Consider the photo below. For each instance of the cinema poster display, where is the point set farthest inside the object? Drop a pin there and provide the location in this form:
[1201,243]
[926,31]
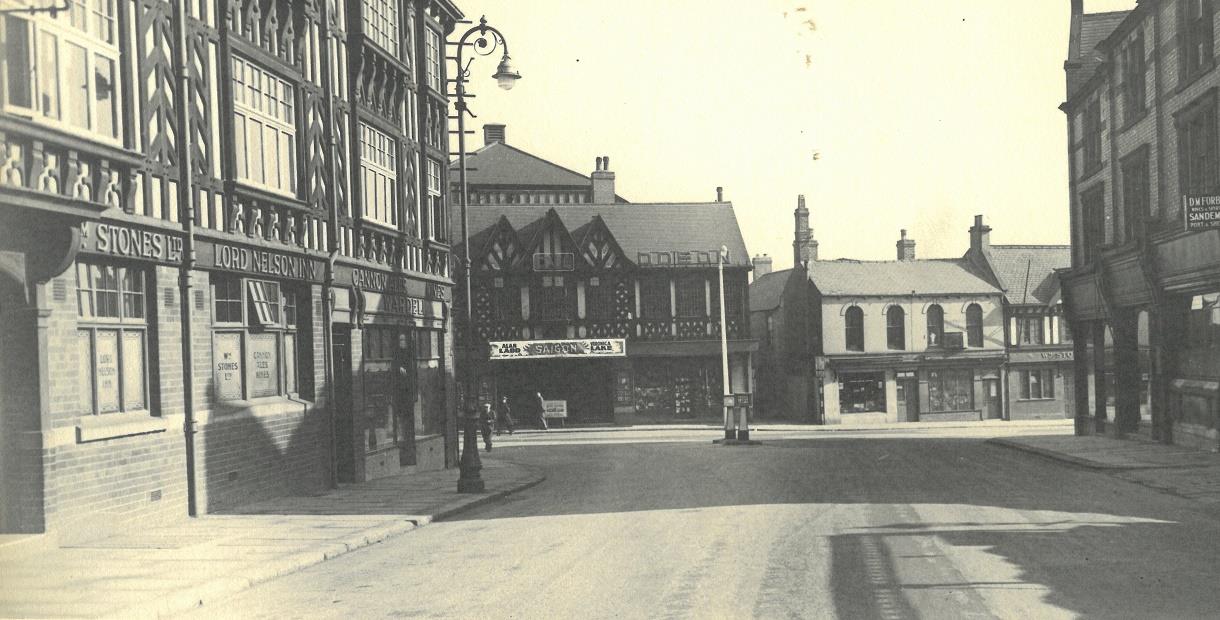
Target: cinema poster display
[544,349]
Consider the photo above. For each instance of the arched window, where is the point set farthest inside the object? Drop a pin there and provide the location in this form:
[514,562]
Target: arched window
[895,328]
[936,325]
[974,326]
[854,323]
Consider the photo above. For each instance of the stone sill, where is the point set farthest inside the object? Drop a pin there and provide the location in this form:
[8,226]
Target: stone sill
[115,425]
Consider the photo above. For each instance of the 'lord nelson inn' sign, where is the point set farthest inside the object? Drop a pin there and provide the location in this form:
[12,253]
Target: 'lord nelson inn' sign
[534,349]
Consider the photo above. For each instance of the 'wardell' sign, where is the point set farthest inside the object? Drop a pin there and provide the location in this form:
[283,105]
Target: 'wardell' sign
[265,263]
[535,349]
[1201,212]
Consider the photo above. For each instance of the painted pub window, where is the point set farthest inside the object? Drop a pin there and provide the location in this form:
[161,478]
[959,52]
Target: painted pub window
[862,392]
[257,342]
[950,390]
[112,337]
[63,69]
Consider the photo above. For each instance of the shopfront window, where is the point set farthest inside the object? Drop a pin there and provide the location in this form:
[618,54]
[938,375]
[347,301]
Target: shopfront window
[862,392]
[113,352]
[257,343]
[950,390]
[1037,384]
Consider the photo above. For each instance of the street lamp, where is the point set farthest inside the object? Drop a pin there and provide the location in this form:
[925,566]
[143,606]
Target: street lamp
[485,41]
[729,432]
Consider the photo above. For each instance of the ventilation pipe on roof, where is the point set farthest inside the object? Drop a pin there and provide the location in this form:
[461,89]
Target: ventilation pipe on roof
[719,194]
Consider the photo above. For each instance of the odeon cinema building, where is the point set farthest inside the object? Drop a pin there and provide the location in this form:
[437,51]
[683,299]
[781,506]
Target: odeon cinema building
[224,259]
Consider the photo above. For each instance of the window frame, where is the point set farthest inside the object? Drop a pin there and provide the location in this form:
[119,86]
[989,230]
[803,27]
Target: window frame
[385,30]
[599,298]
[1193,174]
[1092,221]
[546,304]
[64,32]
[939,379]
[1026,336]
[853,328]
[1137,191]
[936,328]
[436,202]
[379,185]
[1041,378]
[654,299]
[974,326]
[434,74]
[1197,39]
[289,327]
[896,328]
[690,297]
[1134,78]
[90,324]
[271,105]
[1091,128]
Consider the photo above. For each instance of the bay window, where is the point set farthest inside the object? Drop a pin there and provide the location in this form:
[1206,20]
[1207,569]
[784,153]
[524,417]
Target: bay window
[380,19]
[112,337]
[264,128]
[378,176]
[256,347]
[63,70]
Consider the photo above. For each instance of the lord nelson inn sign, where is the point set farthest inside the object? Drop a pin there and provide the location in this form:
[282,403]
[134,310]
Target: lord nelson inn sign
[536,349]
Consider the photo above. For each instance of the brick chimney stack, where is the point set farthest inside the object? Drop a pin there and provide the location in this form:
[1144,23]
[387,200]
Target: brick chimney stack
[906,247]
[603,182]
[980,235]
[762,266]
[804,247]
[492,133]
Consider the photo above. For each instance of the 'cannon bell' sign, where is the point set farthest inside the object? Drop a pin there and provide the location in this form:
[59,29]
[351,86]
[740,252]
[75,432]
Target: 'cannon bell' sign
[535,349]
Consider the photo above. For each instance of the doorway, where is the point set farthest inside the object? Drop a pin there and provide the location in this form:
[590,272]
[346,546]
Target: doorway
[908,397]
[991,399]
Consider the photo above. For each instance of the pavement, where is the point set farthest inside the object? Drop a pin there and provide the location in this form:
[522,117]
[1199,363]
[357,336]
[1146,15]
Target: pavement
[1180,471]
[170,569]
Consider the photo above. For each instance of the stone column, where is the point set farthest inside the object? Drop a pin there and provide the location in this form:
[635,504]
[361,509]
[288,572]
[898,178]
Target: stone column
[1099,376]
[1127,376]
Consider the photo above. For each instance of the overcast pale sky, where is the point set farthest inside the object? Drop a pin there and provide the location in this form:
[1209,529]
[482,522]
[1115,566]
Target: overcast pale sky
[920,113]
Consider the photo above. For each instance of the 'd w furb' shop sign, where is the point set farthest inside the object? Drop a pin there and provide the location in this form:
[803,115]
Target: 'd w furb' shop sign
[536,349]
[1201,212]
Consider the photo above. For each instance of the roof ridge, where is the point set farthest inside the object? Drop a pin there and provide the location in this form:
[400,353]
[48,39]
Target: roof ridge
[1106,13]
[1046,246]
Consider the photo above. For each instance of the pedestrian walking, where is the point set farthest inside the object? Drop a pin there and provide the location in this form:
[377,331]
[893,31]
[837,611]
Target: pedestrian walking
[506,416]
[541,406]
[486,418]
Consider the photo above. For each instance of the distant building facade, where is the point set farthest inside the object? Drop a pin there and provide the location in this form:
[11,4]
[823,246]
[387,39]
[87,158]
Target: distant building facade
[1144,161]
[612,308]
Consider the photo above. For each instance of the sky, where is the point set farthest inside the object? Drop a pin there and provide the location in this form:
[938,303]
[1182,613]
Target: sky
[885,114]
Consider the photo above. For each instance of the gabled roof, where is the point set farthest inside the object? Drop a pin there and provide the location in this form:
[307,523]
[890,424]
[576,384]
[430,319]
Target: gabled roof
[850,278]
[768,290]
[637,227]
[1027,272]
[1094,28]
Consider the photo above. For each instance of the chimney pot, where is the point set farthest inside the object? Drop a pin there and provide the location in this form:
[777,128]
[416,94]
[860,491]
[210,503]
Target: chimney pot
[603,182]
[719,194]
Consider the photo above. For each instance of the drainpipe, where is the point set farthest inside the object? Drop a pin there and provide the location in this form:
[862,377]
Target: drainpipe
[187,216]
[332,241]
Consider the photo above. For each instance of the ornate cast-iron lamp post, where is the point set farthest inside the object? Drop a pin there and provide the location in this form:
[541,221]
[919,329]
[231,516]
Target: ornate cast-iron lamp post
[484,40]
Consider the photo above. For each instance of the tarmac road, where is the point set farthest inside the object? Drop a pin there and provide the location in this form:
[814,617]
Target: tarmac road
[882,525]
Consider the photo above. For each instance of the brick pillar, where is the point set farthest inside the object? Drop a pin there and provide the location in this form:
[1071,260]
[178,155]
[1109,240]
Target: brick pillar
[1080,375]
[1099,376]
[1127,376]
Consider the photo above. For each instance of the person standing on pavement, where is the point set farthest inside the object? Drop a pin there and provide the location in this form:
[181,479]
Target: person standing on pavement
[486,418]
[541,406]
[506,416]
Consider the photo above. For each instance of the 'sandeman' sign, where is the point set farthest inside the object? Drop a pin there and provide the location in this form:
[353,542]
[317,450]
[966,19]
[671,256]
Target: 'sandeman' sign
[534,349]
[1201,212]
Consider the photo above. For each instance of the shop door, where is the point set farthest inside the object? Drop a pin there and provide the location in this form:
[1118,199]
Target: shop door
[341,358]
[908,399]
[991,399]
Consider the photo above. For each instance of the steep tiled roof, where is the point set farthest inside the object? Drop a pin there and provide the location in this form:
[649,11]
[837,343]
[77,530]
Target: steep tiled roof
[843,278]
[1027,272]
[766,291]
[637,227]
[1094,28]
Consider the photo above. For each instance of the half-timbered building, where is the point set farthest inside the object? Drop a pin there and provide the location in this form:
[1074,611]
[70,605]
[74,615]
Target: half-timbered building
[199,201]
